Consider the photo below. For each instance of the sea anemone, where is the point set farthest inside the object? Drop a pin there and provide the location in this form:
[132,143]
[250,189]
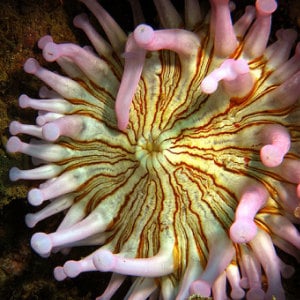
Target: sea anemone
[176,151]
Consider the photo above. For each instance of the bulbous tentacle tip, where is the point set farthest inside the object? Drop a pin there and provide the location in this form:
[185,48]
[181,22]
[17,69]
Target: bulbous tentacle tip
[42,119]
[243,231]
[258,35]
[209,85]
[271,156]
[200,287]
[35,197]
[278,143]
[72,268]
[31,66]
[51,51]
[41,243]
[43,41]
[59,273]
[104,260]
[70,126]
[237,293]
[15,127]
[231,72]
[51,132]
[183,42]
[232,274]
[80,20]
[30,220]
[24,101]
[143,35]
[265,7]
[14,174]
[14,145]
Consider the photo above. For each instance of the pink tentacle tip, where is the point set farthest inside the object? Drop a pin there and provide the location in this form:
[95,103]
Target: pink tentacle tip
[104,260]
[244,228]
[278,144]
[80,20]
[237,293]
[243,231]
[271,155]
[72,268]
[31,66]
[41,243]
[43,41]
[51,132]
[14,145]
[59,273]
[30,220]
[70,126]
[265,7]
[24,101]
[15,127]
[35,197]
[14,174]
[181,41]
[51,52]
[229,70]
[143,35]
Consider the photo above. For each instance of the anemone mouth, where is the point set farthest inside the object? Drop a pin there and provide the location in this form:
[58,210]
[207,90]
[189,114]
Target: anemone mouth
[150,145]
[150,152]
[186,169]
